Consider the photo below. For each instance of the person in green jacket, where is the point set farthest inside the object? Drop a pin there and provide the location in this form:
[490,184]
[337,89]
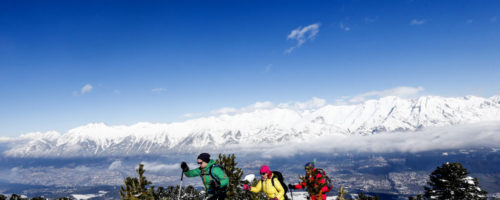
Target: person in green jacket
[213,177]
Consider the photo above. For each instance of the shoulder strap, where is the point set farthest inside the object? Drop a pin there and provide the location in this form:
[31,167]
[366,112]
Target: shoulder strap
[212,174]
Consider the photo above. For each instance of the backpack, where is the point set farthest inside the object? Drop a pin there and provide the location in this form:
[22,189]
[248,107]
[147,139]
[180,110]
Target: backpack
[328,181]
[280,178]
[212,174]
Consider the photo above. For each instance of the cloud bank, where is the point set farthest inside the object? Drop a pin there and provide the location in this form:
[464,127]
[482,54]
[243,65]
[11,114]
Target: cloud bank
[485,134]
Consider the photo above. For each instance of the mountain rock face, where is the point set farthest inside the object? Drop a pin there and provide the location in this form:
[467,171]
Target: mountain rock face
[265,126]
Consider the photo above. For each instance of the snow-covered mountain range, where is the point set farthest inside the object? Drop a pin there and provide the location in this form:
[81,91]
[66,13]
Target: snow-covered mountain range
[262,126]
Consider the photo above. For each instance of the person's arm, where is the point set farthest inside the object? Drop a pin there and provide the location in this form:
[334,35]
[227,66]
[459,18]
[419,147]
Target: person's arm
[223,179]
[300,185]
[193,172]
[257,188]
[279,187]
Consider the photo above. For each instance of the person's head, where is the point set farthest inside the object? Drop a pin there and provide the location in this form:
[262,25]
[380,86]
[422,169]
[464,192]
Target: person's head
[203,160]
[309,167]
[264,172]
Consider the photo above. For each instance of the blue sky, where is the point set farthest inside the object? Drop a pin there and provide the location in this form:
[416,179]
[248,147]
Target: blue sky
[68,63]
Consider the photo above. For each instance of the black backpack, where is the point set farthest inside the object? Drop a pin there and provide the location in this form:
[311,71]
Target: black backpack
[280,178]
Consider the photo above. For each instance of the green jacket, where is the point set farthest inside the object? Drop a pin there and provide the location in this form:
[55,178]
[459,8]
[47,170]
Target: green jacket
[205,176]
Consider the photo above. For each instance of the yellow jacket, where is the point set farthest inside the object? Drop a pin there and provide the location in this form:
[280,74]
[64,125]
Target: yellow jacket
[270,190]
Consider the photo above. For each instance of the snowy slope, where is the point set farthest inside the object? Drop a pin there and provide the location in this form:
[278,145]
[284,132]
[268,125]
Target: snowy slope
[265,126]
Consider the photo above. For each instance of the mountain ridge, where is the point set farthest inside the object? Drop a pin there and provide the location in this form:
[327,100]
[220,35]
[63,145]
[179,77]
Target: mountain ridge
[275,125]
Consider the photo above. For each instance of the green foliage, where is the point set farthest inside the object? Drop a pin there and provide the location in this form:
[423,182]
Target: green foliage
[362,196]
[234,188]
[341,193]
[188,193]
[234,173]
[135,188]
[450,181]
[139,188]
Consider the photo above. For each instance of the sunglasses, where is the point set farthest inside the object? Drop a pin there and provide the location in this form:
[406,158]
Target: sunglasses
[199,163]
[263,173]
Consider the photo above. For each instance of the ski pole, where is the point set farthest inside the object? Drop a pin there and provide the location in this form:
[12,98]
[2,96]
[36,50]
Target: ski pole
[180,185]
[291,193]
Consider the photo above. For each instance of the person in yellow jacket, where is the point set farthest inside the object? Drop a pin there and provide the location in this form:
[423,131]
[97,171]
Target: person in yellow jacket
[273,191]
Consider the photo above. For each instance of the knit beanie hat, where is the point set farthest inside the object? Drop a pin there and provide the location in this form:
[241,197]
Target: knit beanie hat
[264,169]
[205,157]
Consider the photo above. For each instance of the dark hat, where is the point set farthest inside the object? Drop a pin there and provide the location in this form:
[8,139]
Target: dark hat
[205,157]
[309,164]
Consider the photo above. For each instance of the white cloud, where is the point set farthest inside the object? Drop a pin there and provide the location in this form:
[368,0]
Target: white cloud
[485,134]
[344,27]
[158,90]
[86,89]
[401,91]
[266,105]
[160,167]
[311,104]
[5,139]
[116,165]
[189,115]
[415,22]
[301,35]
[224,111]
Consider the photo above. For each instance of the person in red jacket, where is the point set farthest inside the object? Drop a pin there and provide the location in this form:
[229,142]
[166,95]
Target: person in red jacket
[312,177]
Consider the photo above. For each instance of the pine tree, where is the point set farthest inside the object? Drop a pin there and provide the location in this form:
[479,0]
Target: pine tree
[341,193]
[450,181]
[135,188]
[234,188]
[3,197]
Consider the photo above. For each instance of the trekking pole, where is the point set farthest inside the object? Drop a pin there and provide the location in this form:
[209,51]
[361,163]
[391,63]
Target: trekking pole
[180,185]
[291,193]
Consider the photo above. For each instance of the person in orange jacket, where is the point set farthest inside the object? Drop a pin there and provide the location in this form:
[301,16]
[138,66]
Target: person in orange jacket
[269,184]
[310,170]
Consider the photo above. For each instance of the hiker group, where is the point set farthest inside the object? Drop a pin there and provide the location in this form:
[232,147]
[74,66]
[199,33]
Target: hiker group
[215,180]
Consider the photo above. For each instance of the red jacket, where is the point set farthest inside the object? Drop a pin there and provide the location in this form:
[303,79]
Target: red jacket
[324,189]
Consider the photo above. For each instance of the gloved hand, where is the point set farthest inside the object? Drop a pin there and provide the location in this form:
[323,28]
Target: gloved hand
[291,186]
[184,167]
[246,187]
